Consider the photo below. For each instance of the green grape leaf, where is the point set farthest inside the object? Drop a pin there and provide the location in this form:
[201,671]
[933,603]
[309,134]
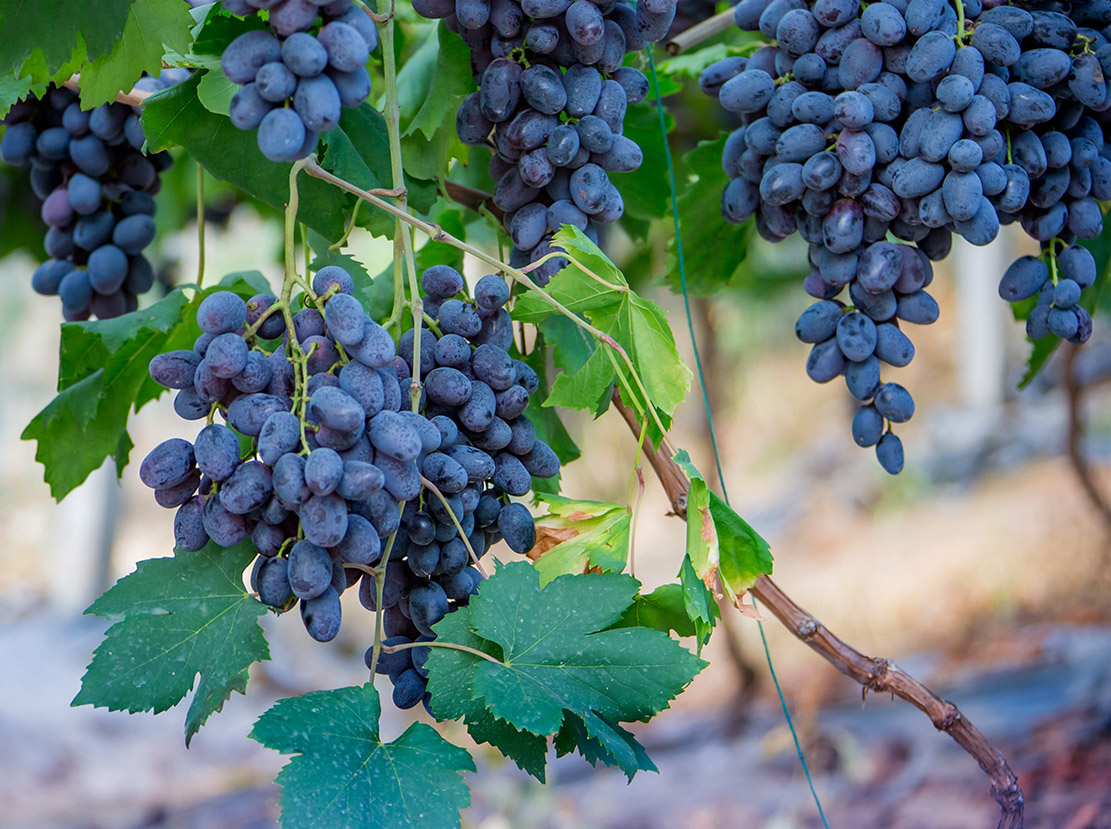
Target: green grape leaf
[575,535]
[176,618]
[437,82]
[358,151]
[176,117]
[13,89]
[344,775]
[663,609]
[698,601]
[452,220]
[593,287]
[102,370]
[589,388]
[644,191]
[609,744]
[556,654]
[450,681]
[691,64]
[215,91]
[553,663]
[719,542]
[153,27]
[713,250]
[58,29]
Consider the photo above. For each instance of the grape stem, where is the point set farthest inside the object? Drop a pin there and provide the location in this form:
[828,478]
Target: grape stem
[459,527]
[436,643]
[554,254]
[380,586]
[298,355]
[393,130]
[438,234]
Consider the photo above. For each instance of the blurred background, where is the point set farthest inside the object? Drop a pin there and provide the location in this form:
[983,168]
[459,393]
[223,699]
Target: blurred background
[984,568]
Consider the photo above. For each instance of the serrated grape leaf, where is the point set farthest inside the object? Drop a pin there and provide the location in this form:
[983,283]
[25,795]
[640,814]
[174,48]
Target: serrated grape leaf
[557,655]
[663,609]
[713,250]
[719,542]
[451,684]
[599,741]
[176,117]
[588,388]
[153,27]
[344,775]
[176,618]
[638,325]
[57,28]
[102,371]
[13,89]
[575,535]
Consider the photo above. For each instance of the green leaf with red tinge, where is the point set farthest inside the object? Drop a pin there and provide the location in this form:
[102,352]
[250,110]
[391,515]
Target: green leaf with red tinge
[176,618]
[344,774]
[719,542]
[577,534]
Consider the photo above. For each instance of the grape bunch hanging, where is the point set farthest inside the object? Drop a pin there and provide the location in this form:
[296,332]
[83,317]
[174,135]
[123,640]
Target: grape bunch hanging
[342,470]
[551,103]
[296,77]
[877,131]
[96,186]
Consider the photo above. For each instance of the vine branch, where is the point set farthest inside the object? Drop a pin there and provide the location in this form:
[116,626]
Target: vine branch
[699,32]
[875,674]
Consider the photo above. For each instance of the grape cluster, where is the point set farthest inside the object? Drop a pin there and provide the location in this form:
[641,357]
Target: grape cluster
[877,131]
[296,76]
[551,104]
[96,187]
[340,469]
